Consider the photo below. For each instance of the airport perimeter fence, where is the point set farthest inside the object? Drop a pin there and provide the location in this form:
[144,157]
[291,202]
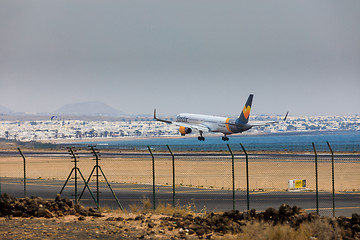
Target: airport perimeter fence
[230,178]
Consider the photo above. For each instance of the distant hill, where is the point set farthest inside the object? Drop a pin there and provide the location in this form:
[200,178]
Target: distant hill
[89,109]
[4,110]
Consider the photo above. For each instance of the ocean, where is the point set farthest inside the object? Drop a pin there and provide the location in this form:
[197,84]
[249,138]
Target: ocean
[340,141]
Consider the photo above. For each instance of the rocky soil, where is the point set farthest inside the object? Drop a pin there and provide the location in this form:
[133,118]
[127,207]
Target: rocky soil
[37,218]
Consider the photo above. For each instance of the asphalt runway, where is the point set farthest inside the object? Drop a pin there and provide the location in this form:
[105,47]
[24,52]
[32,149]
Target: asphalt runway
[198,199]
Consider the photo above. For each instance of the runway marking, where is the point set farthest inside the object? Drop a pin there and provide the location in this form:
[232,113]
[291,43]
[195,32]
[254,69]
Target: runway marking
[314,209]
[196,191]
[254,193]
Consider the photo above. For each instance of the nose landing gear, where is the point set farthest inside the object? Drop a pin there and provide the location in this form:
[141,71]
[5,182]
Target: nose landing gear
[201,138]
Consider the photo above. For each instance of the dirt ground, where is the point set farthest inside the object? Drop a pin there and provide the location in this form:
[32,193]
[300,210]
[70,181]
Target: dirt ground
[264,174]
[230,225]
[70,227]
[39,218]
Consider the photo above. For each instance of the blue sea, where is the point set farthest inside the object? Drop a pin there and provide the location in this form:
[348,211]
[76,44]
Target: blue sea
[342,141]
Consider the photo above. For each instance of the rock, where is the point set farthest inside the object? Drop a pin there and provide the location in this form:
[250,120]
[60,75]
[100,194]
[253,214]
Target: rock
[39,207]
[270,214]
[252,212]
[355,219]
[58,198]
[231,214]
[81,218]
[151,225]
[209,236]
[177,215]
[41,212]
[48,214]
[81,210]
[187,222]
[200,232]
[194,226]
[295,210]
[138,218]
[285,210]
[312,216]
[356,227]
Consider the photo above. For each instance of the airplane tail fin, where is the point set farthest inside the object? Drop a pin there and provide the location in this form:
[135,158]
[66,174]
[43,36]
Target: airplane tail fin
[244,116]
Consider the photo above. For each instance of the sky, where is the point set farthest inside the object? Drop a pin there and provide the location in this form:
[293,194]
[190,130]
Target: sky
[200,56]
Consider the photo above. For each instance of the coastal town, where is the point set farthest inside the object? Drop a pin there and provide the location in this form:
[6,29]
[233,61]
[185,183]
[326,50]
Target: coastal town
[58,128]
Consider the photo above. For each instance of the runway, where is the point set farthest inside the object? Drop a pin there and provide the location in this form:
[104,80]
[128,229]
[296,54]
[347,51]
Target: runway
[198,199]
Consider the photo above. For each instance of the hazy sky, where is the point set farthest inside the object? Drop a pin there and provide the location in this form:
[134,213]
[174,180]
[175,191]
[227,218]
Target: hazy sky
[199,56]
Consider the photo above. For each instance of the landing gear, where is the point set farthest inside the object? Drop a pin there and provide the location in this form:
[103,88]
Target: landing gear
[225,138]
[201,138]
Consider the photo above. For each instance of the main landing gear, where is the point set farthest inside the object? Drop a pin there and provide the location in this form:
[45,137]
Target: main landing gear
[201,138]
[225,138]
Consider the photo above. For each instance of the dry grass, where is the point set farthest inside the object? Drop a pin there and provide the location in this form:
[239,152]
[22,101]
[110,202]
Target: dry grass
[146,207]
[319,229]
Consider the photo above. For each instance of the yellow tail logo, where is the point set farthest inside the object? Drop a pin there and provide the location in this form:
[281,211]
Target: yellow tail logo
[246,111]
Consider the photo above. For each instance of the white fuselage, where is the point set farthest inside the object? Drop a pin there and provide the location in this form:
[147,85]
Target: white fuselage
[213,123]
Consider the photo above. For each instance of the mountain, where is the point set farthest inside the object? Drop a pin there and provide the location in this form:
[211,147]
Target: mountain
[4,110]
[89,109]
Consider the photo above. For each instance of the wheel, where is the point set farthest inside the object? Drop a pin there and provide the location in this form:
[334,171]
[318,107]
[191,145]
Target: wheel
[224,138]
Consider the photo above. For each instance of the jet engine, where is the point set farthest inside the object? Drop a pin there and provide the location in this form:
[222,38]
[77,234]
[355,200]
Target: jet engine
[184,130]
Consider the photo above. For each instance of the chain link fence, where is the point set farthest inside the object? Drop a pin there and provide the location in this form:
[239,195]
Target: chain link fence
[220,179]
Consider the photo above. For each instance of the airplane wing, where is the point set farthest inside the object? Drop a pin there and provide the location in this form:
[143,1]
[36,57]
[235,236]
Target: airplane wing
[263,124]
[269,123]
[198,127]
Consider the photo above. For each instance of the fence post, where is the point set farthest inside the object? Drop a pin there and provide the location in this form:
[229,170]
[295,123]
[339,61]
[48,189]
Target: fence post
[153,173]
[233,175]
[97,173]
[71,151]
[247,177]
[173,170]
[332,175]
[316,179]
[24,163]
[96,153]
[76,169]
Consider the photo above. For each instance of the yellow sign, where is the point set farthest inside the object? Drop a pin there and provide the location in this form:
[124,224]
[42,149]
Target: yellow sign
[300,184]
[297,184]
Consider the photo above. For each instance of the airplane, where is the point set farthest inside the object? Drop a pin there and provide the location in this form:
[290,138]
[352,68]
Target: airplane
[205,123]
